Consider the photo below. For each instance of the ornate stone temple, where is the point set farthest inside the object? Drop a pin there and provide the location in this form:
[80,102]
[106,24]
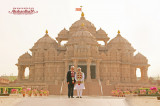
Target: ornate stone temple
[106,67]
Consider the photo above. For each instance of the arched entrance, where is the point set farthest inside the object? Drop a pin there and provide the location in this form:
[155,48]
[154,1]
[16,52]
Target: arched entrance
[138,74]
[26,73]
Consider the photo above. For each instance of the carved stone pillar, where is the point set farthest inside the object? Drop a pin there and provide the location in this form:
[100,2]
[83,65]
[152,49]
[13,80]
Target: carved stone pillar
[105,41]
[144,76]
[59,42]
[88,70]
[19,73]
[23,73]
[75,62]
[133,74]
[66,70]
[31,73]
[97,69]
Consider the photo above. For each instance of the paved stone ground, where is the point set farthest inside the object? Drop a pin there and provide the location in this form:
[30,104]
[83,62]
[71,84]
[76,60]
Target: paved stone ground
[142,101]
[85,101]
[64,101]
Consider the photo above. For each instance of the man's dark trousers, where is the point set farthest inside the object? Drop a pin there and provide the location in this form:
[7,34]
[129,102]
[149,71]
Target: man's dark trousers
[70,85]
[70,90]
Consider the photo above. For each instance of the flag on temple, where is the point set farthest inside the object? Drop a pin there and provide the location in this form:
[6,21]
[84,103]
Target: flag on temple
[78,9]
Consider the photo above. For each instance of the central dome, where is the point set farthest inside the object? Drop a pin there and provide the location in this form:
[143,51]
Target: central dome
[75,26]
[82,35]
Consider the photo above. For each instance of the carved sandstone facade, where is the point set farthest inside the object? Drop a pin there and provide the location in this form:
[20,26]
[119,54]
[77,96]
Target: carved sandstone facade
[111,64]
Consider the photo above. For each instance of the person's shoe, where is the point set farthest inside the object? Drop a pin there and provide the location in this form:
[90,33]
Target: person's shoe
[80,97]
[72,97]
[68,96]
[77,97]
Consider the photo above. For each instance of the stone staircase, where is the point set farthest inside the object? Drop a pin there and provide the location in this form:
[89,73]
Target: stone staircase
[91,88]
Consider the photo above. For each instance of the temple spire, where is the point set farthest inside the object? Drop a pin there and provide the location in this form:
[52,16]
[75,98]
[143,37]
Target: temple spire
[46,31]
[82,14]
[118,32]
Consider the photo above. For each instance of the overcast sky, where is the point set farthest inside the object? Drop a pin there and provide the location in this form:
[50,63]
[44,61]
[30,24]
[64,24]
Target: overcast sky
[138,21]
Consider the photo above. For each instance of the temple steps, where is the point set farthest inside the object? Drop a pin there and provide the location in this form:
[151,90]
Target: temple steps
[91,88]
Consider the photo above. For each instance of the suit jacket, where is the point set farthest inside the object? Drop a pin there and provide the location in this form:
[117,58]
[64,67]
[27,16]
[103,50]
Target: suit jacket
[69,78]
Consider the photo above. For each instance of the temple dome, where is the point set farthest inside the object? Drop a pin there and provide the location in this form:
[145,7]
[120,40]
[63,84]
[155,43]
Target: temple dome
[45,42]
[75,26]
[140,56]
[25,58]
[63,32]
[140,59]
[101,35]
[82,20]
[82,35]
[25,55]
[101,31]
[120,43]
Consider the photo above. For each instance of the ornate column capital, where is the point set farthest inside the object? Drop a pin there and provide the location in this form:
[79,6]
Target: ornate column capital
[89,61]
[98,61]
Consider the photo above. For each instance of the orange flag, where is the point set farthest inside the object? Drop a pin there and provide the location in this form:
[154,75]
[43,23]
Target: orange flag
[78,9]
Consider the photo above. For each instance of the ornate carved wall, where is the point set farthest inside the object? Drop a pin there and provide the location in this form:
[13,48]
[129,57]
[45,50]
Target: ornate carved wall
[115,61]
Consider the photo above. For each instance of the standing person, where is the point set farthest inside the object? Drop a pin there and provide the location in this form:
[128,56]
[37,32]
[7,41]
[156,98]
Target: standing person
[71,81]
[79,77]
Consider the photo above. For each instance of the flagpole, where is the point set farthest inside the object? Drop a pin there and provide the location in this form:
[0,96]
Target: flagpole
[81,8]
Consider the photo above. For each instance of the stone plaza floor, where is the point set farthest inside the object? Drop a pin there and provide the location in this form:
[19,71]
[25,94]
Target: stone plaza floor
[85,101]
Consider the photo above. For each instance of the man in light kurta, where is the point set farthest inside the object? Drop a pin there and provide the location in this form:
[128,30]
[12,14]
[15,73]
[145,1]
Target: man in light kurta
[79,77]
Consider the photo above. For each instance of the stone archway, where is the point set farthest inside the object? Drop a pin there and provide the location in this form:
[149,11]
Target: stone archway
[26,73]
[143,71]
[138,74]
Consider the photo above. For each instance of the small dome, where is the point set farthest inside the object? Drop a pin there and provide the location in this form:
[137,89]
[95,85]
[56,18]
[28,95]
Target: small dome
[82,35]
[140,56]
[25,59]
[63,32]
[25,55]
[100,31]
[45,42]
[120,43]
[140,59]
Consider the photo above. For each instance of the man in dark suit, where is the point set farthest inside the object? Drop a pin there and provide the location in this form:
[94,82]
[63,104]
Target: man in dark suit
[71,81]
